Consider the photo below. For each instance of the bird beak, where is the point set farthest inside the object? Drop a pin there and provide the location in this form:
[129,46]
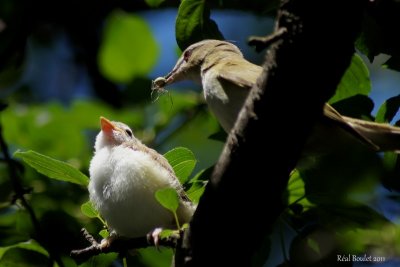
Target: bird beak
[107,126]
[175,74]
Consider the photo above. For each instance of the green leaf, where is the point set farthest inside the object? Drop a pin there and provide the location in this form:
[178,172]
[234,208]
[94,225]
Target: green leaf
[196,191]
[104,233]
[198,184]
[182,161]
[88,210]
[53,168]
[355,81]
[388,110]
[296,191]
[165,233]
[29,245]
[168,198]
[193,23]
[154,3]
[128,48]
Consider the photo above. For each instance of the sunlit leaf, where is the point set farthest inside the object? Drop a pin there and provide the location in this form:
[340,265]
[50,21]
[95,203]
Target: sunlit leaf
[104,233]
[88,210]
[165,233]
[29,245]
[355,81]
[296,191]
[193,23]
[196,191]
[182,161]
[53,168]
[168,198]
[388,110]
[198,184]
[128,48]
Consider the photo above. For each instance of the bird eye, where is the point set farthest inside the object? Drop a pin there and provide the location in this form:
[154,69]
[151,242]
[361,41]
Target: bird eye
[129,132]
[186,55]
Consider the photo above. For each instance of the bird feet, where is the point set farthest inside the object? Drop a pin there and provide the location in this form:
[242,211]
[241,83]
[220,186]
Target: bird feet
[154,237]
[160,236]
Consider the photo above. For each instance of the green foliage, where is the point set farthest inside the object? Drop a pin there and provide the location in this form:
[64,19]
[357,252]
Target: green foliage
[327,203]
[198,184]
[121,56]
[193,23]
[296,194]
[168,198]
[156,258]
[88,210]
[182,161]
[62,132]
[380,240]
[388,110]
[28,245]
[154,3]
[355,81]
[53,168]
[104,233]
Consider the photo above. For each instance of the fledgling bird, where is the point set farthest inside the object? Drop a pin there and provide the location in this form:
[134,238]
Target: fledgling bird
[124,176]
[227,77]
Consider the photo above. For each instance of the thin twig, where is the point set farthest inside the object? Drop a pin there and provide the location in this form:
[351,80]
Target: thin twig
[261,43]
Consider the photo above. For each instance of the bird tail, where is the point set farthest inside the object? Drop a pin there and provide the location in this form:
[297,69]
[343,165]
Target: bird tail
[378,136]
[386,137]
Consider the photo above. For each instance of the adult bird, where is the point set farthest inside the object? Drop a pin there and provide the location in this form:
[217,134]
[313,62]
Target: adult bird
[227,77]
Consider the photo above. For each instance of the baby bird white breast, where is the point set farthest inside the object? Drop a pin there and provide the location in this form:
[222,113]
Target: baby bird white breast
[122,187]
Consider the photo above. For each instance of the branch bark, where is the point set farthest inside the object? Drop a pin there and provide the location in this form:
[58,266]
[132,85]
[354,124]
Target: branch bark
[121,245]
[301,72]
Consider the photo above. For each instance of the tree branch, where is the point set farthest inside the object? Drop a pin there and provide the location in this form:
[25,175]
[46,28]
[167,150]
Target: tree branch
[122,245]
[245,185]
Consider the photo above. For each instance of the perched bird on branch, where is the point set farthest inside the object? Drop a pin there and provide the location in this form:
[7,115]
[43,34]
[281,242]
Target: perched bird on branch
[124,176]
[227,77]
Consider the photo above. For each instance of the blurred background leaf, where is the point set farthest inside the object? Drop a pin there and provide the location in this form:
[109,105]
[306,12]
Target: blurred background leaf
[122,57]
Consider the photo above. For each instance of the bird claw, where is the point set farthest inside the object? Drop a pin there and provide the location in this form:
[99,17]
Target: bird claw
[106,242]
[154,237]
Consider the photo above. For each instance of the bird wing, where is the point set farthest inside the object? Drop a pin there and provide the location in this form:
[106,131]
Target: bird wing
[242,73]
[165,164]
